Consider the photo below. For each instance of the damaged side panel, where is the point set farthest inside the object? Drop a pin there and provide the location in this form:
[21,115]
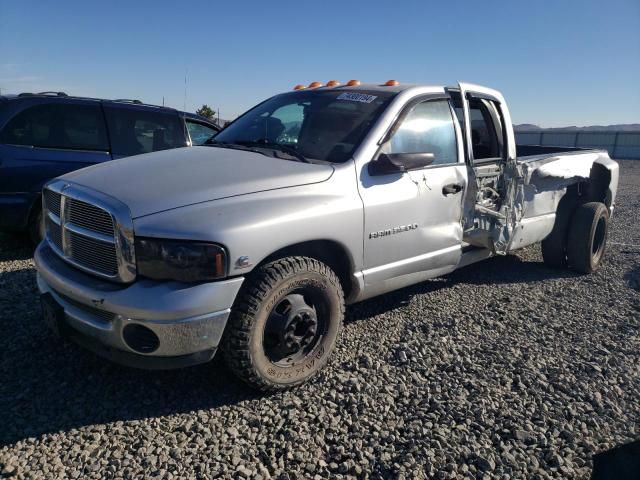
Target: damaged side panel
[544,182]
[493,194]
[511,201]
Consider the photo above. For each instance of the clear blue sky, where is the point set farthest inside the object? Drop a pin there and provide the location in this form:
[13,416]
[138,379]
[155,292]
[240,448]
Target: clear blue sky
[557,62]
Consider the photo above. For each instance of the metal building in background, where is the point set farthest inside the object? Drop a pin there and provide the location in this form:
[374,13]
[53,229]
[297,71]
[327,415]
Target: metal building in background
[619,144]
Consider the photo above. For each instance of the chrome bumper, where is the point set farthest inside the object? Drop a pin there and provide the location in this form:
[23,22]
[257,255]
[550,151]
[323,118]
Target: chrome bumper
[187,319]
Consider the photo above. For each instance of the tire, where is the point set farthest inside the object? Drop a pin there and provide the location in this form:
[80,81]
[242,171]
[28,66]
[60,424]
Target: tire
[274,315]
[587,238]
[36,227]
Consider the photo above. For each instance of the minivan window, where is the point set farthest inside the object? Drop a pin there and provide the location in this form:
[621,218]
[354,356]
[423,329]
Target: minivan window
[428,128]
[199,132]
[134,131]
[64,126]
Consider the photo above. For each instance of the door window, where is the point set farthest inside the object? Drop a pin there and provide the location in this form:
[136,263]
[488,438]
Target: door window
[428,128]
[486,129]
[134,131]
[199,132]
[64,126]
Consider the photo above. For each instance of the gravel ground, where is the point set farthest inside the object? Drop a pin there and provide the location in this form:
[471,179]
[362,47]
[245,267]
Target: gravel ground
[505,369]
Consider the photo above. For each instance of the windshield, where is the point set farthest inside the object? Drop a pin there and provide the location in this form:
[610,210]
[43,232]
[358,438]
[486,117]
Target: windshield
[319,124]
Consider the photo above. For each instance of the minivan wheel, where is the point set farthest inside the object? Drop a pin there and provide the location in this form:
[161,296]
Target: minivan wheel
[587,239]
[285,323]
[36,227]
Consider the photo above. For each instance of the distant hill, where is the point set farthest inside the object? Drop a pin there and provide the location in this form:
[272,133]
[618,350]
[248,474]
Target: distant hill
[623,127]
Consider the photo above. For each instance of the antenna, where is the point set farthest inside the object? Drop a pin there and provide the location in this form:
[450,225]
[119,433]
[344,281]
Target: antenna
[189,143]
[184,107]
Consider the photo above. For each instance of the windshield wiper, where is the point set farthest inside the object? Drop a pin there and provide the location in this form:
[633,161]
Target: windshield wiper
[216,143]
[235,146]
[278,147]
[258,147]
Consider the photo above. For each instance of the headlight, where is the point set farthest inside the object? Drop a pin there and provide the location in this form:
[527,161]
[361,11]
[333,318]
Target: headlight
[180,260]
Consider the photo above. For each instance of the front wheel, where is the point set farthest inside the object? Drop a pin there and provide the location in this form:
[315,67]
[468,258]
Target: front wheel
[587,238]
[284,324]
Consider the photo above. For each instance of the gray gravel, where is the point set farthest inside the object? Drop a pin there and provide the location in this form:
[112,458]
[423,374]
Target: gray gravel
[506,369]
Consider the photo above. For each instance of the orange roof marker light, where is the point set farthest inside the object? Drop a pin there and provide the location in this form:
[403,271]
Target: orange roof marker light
[299,87]
[315,84]
[391,83]
[333,83]
[353,83]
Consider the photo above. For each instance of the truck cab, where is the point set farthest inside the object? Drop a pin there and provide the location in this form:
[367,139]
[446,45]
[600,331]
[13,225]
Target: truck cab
[313,199]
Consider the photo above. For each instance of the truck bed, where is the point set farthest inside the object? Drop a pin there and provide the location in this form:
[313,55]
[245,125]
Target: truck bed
[531,150]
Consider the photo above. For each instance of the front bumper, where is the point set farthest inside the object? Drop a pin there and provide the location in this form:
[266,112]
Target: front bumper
[188,320]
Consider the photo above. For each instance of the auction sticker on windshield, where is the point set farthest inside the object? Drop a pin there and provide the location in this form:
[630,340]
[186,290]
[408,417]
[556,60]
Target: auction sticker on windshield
[357,97]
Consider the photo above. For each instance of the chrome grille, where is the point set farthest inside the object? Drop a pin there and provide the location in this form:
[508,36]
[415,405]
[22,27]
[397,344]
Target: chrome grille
[90,217]
[52,201]
[94,237]
[94,254]
[54,233]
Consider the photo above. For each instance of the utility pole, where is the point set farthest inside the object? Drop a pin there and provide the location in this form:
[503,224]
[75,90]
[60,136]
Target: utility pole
[163,100]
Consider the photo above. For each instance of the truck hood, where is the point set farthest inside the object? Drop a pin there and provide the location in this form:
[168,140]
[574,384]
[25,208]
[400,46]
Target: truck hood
[159,181]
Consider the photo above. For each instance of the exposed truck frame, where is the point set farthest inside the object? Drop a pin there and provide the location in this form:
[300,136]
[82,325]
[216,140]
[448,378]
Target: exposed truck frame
[288,243]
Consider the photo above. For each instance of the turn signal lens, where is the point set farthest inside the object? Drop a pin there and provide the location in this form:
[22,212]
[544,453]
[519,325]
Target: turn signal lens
[299,87]
[315,84]
[391,83]
[333,83]
[353,83]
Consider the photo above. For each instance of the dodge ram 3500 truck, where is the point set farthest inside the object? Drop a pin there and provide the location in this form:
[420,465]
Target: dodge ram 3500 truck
[314,198]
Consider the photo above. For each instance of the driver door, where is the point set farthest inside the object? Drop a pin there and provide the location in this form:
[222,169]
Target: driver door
[413,228]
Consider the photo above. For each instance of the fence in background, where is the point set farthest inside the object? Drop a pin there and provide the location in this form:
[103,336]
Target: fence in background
[619,144]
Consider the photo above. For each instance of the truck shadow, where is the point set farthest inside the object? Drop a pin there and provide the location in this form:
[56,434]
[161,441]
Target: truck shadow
[47,385]
[509,269]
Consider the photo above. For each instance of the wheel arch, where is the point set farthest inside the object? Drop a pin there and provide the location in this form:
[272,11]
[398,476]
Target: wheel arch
[35,207]
[599,186]
[596,188]
[330,252]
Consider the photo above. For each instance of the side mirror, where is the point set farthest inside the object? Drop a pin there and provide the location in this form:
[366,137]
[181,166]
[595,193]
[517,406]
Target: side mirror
[387,163]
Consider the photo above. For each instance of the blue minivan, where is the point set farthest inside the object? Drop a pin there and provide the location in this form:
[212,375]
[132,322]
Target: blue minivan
[46,135]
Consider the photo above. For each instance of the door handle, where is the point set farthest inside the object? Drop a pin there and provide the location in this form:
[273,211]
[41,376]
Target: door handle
[452,188]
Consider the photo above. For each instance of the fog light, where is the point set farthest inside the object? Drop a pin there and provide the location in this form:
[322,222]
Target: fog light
[141,339]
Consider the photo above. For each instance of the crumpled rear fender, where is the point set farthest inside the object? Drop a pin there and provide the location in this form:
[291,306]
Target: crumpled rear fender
[544,182]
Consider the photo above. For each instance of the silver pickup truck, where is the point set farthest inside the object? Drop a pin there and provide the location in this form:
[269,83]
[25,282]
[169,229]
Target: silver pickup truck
[313,199]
